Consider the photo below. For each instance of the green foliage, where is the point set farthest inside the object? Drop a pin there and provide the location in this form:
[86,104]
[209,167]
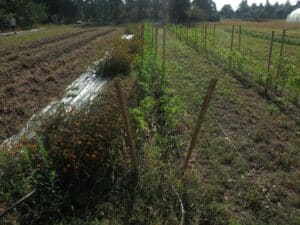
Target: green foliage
[197,14]
[267,36]
[30,14]
[173,107]
[260,12]
[227,11]
[26,12]
[143,113]
[289,75]
[4,19]
[283,71]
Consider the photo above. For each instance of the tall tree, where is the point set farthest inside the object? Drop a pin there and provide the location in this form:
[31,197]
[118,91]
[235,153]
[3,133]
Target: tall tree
[155,9]
[243,10]
[115,8]
[227,11]
[178,10]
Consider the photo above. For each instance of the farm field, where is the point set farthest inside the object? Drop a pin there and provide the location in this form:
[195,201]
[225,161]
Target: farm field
[244,147]
[45,32]
[259,46]
[34,73]
[249,52]
[267,26]
[179,129]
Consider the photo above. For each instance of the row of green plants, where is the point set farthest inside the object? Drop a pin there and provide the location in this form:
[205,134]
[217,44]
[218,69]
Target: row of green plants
[281,77]
[157,117]
[290,40]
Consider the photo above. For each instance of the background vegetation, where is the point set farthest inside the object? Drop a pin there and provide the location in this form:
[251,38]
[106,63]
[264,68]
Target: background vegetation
[259,12]
[29,12]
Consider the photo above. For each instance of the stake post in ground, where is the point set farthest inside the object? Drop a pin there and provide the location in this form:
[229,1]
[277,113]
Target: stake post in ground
[129,135]
[281,52]
[205,38]
[269,64]
[231,47]
[164,54]
[200,120]
[214,39]
[240,37]
[156,42]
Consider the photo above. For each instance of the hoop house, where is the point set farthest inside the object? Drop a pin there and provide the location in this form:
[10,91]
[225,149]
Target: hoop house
[294,16]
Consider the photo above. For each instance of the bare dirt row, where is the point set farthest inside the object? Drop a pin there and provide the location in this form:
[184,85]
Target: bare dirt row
[29,84]
[21,61]
[8,52]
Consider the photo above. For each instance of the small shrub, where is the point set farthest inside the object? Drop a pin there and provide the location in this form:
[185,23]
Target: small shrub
[120,58]
[118,63]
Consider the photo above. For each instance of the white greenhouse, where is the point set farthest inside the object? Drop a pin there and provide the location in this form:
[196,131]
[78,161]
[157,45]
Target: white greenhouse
[294,16]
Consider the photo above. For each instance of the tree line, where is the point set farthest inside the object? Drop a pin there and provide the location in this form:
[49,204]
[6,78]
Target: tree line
[259,12]
[29,12]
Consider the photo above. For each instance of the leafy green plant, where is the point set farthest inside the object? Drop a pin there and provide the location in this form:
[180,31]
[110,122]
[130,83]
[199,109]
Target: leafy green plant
[266,36]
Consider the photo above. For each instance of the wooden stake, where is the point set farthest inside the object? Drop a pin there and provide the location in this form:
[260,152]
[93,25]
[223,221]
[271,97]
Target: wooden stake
[269,63]
[205,38]
[152,35]
[6,211]
[187,33]
[179,32]
[240,37]
[281,52]
[142,49]
[200,120]
[128,137]
[214,42]
[164,54]
[197,37]
[231,48]
[156,42]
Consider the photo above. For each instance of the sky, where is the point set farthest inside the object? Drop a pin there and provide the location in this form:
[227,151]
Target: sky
[235,3]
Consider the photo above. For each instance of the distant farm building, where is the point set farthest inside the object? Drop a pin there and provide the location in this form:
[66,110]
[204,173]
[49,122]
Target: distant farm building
[294,16]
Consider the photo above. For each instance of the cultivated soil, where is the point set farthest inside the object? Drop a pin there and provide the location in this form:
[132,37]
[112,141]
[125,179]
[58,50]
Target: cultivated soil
[36,73]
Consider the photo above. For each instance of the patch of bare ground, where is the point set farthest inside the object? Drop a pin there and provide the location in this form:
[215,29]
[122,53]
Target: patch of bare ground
[28,87]
[248,151]
[14,51]
[30,58]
